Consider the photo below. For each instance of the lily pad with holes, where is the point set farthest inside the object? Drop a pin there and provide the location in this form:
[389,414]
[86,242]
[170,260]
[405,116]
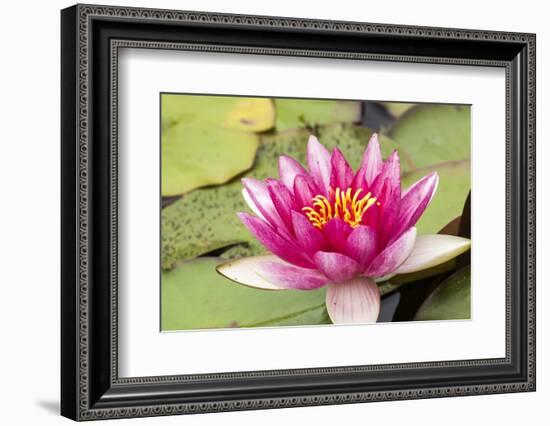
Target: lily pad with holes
[299,113]
[205,220]
[352,141]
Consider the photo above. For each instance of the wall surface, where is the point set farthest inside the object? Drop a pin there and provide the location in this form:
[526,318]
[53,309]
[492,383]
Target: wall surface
[29,225]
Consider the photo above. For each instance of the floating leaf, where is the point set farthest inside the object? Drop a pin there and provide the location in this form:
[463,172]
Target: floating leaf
[195,156]
[207,140]
[253,114]
[205,219]
[451,300]
[313,316]
[434,134]
[437,138]
[195,296]
[231,112]
[202,221]
[296,113]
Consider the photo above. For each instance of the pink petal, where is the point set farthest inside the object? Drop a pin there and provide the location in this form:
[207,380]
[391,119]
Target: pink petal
[373,216]
[258,192]
[341,173]
[275,243]
[389,259]
[290,276]
[336,233]
[362,245]
[282,200]
[318,160]
[309,237]
[415,201]
[388,211]
[289,168]
[336,266]
[359,181]
[372,159]
[390,170]
[353,301]
[304,191]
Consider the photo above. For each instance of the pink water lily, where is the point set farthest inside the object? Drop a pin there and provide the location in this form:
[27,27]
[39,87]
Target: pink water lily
[329,226]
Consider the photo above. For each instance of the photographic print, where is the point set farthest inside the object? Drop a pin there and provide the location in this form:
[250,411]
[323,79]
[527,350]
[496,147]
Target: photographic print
[308,212]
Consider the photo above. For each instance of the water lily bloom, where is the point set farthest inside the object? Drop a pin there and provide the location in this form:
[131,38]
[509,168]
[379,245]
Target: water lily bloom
[328,226]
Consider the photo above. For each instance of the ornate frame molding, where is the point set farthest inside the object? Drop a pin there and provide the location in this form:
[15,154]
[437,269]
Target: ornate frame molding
[91,400]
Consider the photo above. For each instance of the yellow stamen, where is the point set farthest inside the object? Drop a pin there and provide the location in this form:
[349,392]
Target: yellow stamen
[350,208]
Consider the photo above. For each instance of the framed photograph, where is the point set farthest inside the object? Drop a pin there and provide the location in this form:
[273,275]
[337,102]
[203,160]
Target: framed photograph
[263,212]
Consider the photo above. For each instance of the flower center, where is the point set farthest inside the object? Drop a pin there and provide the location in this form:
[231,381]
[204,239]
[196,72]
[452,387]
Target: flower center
[343,205]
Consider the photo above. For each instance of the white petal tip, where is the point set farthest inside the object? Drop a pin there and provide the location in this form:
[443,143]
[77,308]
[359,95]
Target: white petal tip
[313,138]
[243,271]
[251,205]
[433,250]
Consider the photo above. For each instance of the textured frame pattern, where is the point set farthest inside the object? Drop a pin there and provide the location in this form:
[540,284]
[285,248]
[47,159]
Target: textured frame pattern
[85,14]
[115,46]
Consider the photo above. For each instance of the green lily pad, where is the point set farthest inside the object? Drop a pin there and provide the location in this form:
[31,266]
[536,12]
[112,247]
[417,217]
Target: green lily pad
[195,296]
[195,156]
[205,220]
[207,140]
[230,112]
[200,222]
[448,201]
[451,300]
[436,138]
[309,316]
[296,113]
[434,134]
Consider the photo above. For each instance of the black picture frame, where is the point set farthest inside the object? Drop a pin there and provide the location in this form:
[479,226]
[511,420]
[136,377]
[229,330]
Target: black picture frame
[90,38]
